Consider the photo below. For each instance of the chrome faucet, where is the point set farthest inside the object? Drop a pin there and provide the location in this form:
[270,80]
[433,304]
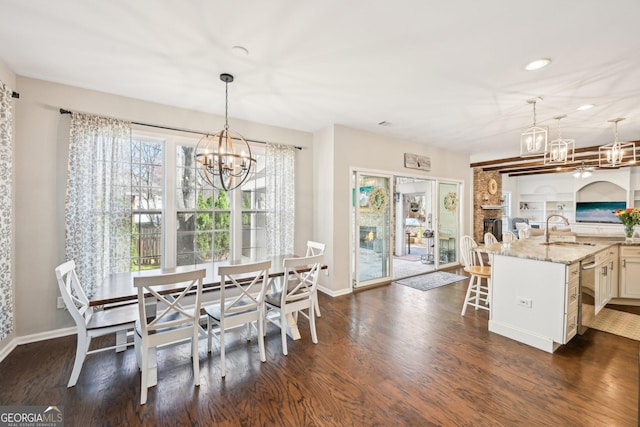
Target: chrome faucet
[546,229]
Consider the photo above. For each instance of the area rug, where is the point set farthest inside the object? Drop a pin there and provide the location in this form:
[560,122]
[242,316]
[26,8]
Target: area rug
[616,322]
[428,281]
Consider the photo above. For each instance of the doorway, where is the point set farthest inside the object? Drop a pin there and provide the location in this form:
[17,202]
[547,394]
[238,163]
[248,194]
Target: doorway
[402,226]
[414,243]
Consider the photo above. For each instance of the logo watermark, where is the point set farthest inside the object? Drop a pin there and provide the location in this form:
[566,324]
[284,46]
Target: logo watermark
[31,416]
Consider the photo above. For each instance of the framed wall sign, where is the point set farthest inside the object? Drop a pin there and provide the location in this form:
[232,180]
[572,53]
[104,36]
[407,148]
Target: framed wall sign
[415,161]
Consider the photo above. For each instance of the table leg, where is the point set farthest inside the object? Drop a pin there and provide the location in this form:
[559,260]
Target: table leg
[292,326]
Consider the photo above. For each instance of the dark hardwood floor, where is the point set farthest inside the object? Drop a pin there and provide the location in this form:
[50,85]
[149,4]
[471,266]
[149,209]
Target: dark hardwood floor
[387,356]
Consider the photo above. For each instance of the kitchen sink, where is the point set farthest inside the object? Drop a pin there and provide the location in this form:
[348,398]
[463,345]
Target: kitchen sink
[567,243]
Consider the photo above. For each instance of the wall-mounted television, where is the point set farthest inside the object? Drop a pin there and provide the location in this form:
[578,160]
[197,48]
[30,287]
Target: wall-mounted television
[598,211]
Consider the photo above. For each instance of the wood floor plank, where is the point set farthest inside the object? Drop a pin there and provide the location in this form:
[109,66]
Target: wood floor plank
[390,355]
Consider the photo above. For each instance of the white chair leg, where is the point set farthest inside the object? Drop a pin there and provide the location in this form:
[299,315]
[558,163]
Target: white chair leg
[143,376]
[468,295]
[283,331]
[195,355]
[209,333]
[312,324]
[263,356]
[317,306]
[223,367]
[82,345]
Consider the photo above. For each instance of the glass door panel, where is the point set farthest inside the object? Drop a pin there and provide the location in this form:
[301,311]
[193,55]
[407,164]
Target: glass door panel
[448,220]
[371,229]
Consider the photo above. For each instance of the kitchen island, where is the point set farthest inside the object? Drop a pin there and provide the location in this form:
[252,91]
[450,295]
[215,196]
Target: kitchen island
[535,295]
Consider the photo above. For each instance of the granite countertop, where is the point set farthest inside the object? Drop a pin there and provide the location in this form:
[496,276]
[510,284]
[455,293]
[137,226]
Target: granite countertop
[565,252]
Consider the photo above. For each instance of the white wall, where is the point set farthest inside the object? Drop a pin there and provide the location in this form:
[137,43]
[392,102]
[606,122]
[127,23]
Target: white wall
[9,78]
[361,150]
[40,174]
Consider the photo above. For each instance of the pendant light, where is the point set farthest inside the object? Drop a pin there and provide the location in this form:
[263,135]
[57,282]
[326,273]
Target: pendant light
[224,159]
[533,140]
[559,151]
[617,154]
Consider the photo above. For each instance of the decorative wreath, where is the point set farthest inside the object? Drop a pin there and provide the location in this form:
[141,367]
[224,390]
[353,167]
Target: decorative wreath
[378,199]
[451,201]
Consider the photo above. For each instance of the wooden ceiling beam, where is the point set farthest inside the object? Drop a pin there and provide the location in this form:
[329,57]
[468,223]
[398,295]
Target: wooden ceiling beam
[518,166]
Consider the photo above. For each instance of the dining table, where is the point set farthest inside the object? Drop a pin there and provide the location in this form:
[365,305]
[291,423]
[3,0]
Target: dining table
[117,289]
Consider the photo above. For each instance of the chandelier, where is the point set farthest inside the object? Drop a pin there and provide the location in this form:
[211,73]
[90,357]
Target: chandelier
[617,154]
[533,140]
[583,171]
[559,150]
[224,159]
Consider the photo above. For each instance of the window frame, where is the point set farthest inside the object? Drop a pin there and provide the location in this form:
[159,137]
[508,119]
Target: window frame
[169,211]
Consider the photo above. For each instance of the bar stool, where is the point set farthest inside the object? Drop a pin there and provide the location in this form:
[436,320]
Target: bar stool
[479,290]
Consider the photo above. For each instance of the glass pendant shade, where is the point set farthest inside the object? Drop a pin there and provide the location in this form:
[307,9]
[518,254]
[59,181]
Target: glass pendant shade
[224,159]
[617,154]
[533,140]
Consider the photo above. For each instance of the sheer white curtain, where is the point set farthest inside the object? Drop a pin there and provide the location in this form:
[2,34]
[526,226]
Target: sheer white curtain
[98,204]
[6,211]
[280,204]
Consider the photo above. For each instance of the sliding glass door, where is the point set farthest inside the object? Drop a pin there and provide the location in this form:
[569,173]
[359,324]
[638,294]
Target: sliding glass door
[371,229]
[447,214]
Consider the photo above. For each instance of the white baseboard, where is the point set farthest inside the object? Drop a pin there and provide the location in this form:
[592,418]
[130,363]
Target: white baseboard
[333,293]
[26,339]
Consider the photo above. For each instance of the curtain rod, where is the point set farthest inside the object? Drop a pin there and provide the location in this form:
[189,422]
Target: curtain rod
[197,132]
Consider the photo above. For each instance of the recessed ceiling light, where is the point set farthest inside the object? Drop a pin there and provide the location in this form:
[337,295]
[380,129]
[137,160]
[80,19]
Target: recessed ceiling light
[537,64]
[239,51]
[585,107]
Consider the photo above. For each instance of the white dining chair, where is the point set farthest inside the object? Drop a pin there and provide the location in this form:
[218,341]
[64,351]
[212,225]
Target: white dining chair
[489,239]
[479,290]
[298,293]
[509,236]
[89,322]
[315,248]
[164,320]
[242,303]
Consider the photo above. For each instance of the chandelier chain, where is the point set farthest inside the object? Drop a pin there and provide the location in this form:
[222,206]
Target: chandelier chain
[226,105]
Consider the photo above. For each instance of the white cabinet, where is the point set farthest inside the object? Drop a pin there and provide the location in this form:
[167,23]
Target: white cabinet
[571,308]
[629,272]
[605,277]
[534,302]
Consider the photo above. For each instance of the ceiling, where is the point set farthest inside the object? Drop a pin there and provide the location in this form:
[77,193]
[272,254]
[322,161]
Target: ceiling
[446,74]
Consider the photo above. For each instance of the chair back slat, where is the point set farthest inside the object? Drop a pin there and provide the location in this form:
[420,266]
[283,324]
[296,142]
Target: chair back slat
[509,236]
[469,255]
[72,293]
[314,248]
[169,309]
[300,284]
[246,283]
[489,238]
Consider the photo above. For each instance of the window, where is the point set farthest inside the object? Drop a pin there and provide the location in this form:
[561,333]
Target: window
[147,201]
[206,218]
[254,233]
[203,214]
[177,218]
